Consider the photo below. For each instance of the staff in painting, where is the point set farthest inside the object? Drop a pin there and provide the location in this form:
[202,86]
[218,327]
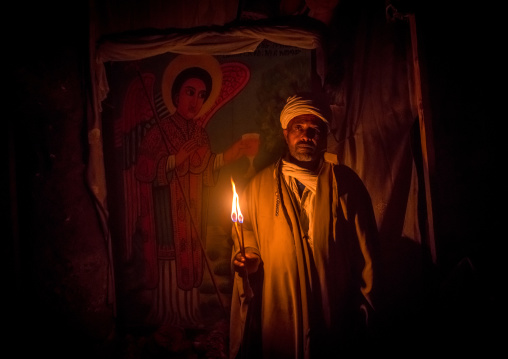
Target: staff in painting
[167,144]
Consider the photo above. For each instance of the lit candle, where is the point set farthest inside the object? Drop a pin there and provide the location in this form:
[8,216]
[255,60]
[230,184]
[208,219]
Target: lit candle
[237,217]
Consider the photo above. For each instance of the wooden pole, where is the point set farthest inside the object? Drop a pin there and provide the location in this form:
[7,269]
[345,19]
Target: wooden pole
[425,139]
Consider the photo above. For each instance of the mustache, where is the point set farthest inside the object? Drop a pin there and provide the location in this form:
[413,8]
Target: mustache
[305,143]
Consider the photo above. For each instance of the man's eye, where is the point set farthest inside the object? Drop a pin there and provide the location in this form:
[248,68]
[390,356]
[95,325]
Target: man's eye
[190,92]
[315,130]
[202,94]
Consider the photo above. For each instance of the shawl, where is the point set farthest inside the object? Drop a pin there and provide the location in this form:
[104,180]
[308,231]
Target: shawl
[305,302]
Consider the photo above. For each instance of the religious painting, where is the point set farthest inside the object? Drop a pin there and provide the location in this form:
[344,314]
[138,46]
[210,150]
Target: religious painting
[179,130]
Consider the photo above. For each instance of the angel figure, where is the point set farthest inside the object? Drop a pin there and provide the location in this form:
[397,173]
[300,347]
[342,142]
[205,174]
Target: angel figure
[169,171]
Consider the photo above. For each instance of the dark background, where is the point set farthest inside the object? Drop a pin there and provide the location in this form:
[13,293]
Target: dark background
[57,269]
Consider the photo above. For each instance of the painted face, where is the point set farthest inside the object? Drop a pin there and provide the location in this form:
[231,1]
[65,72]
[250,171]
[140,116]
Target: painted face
[306,137]
[191,97]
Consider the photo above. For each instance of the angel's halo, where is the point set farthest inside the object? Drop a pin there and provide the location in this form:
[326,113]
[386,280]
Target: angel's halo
[207,62]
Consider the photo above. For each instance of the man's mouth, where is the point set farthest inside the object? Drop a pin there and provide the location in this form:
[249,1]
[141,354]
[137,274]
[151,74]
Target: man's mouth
[305,146]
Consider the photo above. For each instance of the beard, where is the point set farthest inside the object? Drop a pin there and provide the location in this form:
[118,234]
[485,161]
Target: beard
[304,152]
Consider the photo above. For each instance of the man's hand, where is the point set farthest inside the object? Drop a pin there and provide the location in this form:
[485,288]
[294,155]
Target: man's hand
[249,263]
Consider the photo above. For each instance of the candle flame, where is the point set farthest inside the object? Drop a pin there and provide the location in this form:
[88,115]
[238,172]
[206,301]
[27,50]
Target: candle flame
[236,213]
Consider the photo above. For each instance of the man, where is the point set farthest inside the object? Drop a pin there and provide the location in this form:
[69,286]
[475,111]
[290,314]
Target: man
[304,287]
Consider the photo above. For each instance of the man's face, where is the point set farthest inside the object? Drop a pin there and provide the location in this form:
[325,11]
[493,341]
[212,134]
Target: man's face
[306,137]
[190,98]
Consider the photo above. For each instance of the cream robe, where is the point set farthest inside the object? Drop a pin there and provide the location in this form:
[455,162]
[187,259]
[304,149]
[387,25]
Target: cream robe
[305,304]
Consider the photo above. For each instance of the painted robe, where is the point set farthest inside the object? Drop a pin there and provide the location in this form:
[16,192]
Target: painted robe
[178,222]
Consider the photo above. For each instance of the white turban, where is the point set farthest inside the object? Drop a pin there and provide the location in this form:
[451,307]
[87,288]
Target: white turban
[296,106]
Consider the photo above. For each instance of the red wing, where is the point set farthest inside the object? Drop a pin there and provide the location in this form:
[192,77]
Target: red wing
[129,130]
[235,76]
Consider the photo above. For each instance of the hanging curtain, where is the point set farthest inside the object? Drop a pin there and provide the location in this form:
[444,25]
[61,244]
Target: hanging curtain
[370,76]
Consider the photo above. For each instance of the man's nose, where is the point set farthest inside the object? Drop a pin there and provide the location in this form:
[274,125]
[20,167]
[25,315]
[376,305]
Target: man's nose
[309,133]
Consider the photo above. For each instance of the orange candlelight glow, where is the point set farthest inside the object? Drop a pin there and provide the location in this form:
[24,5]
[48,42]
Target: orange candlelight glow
[236,213]
[237,216]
